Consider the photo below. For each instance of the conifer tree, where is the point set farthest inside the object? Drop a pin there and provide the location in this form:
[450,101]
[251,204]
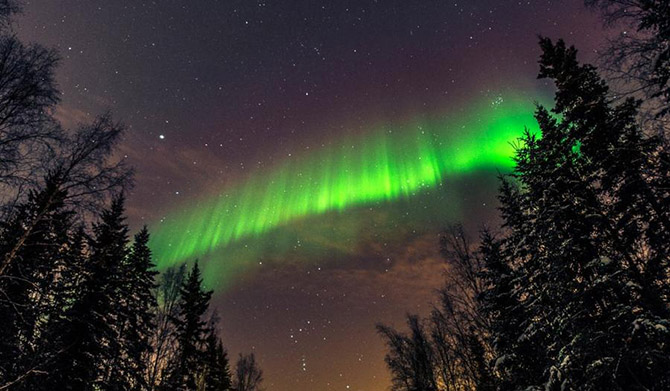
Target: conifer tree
[589,297]
[164,344]
[27,286]
[499,304]
[191,332]
[92,338]
[136,316]
[67,292]
[575,292]
[216,370]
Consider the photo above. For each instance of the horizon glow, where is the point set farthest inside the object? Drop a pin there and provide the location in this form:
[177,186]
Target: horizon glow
[386,164]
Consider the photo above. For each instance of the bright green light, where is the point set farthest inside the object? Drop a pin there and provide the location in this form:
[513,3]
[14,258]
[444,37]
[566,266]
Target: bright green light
[389,163]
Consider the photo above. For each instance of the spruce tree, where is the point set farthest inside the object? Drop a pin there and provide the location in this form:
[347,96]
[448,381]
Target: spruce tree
[164,345]
[500,305]
[191,332]
[67,292]
[92,338]
[216,370]
[136,320]
[580,208]
[28,285]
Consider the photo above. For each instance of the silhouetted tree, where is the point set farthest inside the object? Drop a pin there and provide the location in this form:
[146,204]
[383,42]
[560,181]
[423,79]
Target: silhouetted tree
[8,8]
[78,307]
[641,53]
[411,358]
[164,336]
[137,312]
[450,350]
[93,338]
[191,331]
[27,287]
[500,304]
[574,294]
[28,133]
[248,375]
[579,208]
[84,171]
[69,275]
[215,372]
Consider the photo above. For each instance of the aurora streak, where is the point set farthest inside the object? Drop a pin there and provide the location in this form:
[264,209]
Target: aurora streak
[383,165]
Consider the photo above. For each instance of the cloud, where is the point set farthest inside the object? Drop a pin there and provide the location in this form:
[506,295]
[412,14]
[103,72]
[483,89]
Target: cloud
[70,117]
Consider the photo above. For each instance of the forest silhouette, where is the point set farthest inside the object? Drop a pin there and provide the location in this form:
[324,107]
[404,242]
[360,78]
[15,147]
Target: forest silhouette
[571,292]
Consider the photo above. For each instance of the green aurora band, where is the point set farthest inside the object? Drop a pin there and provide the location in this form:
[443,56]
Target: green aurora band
[386,164]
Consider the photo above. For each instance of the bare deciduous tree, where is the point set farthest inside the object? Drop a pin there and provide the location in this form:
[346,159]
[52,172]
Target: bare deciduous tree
[28,133]
[640,55]
[449,350]
[164,340]
[86,170]
[7,9]
[248,375]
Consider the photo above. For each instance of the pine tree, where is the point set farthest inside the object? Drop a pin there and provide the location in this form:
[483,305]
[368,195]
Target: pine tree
[67,292]
[137,320]
[499,304]
[92,338]
[27,286]
[580,209]
[191,333]
[215,371]
[164,345]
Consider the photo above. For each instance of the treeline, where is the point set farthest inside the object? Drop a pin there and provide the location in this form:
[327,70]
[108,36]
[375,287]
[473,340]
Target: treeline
[573,291]
[81,305]
[83,311]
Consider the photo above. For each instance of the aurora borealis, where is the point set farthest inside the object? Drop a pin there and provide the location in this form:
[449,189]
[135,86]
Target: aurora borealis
[309,152]
[390,163]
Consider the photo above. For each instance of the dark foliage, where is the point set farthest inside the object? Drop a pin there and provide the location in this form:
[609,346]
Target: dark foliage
[79,303]
[191,331]
[642,53]
[574,294]
[248,376]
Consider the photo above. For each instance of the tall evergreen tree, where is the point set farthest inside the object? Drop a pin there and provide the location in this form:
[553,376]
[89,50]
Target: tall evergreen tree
[92,338]
[574,294]
[500,305]
[164,344]
[27,286]
[590,298]
[191,332]
[215,370]
[67,291]
[137,314]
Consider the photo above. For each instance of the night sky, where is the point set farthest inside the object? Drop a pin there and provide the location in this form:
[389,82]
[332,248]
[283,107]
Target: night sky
[223,97]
